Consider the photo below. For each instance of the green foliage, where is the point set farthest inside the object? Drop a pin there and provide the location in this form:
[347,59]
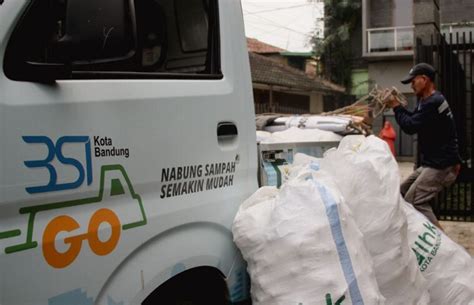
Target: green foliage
[341,18]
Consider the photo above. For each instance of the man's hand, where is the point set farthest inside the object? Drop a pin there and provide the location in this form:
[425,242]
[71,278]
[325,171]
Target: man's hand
[392,101]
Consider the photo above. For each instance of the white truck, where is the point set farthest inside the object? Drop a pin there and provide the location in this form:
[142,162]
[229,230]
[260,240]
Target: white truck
[127,143]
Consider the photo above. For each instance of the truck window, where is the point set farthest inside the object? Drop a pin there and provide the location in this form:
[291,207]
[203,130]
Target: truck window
[116,39]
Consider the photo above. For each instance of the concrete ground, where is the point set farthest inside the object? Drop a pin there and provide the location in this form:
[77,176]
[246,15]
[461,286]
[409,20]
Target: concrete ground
[460,232]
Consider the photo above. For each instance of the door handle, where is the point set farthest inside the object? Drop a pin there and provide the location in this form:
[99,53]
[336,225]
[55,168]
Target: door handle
[226,129]
[227,135]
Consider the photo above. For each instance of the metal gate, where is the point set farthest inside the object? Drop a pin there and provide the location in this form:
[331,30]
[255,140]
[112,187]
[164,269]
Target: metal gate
[452,56]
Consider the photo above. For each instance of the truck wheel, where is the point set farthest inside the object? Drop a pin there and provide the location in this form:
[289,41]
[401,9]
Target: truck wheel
[197,286]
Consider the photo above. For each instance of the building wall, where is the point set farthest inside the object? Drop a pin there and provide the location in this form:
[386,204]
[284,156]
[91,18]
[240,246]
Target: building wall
[387,74]
[380,13]
[454,11]
[360,82]
[283,102]
[388,13]
[292,103]
[261,96]
[402,12]
[316,103]
[311,68]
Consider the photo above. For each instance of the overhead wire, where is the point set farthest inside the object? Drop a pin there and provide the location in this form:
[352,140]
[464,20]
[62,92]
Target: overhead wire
[278,24]
[280,8]
[279,28]
[253,12]
[276,28]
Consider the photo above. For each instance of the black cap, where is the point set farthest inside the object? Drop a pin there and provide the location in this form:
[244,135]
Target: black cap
[419,69]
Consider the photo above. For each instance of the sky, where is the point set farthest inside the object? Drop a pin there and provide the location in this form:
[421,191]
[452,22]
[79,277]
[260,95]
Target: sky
[287,24]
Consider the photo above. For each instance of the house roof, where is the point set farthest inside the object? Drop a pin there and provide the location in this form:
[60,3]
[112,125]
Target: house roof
[256,46]
[271,72]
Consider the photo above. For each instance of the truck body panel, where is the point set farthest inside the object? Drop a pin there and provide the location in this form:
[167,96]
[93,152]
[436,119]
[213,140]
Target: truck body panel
[110,187]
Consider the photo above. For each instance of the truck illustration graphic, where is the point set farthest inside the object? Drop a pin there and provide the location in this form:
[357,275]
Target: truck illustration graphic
[114,182]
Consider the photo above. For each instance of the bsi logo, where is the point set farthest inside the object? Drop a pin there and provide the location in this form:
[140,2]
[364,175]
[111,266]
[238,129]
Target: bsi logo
[55,150]
[64,235]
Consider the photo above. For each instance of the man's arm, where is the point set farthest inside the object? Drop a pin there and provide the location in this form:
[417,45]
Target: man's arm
[410,122]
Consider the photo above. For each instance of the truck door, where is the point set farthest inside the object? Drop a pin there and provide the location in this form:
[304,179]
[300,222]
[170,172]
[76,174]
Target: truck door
[157,90]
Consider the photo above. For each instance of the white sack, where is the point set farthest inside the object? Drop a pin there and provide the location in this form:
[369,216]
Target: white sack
[303,247]
[367,176]
[295,134]
[302,160]
[328,123]
[275,128]
[263,135]
[447,267]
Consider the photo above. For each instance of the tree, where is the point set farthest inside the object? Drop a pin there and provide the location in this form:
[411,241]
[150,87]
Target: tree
[340,19]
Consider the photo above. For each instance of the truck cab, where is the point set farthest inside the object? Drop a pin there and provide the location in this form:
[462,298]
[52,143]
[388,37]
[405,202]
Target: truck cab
[128,143]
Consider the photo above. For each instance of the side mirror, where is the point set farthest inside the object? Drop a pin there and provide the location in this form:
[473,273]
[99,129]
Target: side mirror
[46,73]
[97,31]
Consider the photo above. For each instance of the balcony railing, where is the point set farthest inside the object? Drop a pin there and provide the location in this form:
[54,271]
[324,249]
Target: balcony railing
[458,32]
[393,39]
[454,28]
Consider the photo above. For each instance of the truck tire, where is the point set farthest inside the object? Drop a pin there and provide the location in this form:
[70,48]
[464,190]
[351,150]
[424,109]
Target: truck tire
[197,286]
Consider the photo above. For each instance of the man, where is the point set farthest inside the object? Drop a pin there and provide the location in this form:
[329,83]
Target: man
[433,121]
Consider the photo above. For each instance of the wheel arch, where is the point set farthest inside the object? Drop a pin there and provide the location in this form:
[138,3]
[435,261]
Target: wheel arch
[203,285]
[170,253]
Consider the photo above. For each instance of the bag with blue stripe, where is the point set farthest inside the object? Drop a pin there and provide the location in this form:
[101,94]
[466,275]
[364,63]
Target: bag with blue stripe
[302,245]
[367,175]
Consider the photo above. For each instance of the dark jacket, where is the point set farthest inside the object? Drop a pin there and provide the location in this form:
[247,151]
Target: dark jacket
[433,121]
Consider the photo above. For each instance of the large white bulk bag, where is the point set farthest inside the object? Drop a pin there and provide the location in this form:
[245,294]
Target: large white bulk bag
[447,266]
[263,136]
[367,176]
[329,123]
[303,247]
[295,134]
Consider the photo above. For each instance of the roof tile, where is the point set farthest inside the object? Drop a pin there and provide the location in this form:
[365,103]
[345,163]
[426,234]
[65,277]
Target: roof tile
[256,46]
[269,71]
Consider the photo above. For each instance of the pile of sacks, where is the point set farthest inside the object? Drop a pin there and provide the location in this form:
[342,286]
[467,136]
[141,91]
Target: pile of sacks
[338,232]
